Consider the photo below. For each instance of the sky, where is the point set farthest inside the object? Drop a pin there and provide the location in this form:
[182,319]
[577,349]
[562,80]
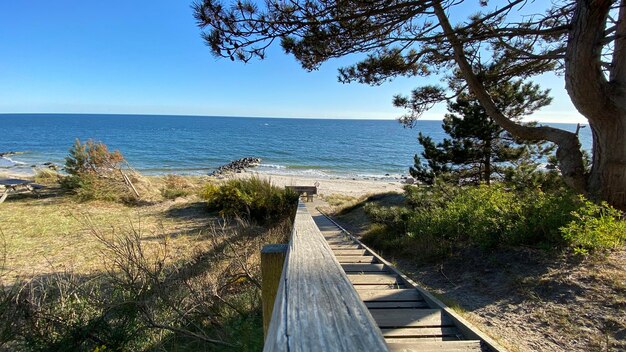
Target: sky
[147,57]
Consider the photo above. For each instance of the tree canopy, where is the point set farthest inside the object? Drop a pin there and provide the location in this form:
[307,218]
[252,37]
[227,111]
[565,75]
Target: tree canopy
[479,150]
[585,40]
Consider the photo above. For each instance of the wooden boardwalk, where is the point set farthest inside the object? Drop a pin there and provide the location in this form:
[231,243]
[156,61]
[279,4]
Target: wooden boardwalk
[332,293]
[409,318]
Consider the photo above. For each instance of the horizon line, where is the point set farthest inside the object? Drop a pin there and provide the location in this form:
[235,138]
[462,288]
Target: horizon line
[425,118]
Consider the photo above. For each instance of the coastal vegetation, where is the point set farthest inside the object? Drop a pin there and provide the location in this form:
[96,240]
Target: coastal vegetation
[583,40]
[252,199]
[479,150]
[547,259]
[178,270]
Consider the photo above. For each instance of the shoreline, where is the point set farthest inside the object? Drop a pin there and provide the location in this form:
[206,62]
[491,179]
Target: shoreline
[352,187]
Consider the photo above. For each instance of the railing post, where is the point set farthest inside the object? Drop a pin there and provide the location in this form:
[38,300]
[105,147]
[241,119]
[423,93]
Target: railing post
[272,260]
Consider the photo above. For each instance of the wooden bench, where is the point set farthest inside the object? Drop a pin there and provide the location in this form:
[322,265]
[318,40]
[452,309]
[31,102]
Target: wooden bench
[306,192]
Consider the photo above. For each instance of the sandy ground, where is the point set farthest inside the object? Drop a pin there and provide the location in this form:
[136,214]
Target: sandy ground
[328,186]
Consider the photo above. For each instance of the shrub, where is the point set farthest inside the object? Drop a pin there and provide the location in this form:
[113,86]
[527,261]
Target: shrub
[175,186]
[95,173]
[47,177]
[394,218]
[491,216]
[595,227]
[251,198]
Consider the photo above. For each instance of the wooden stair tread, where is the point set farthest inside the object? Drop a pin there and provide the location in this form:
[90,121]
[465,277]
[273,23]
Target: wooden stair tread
[422,332]
[345,246]
[373,279]
[363,267]
[356,259]
[436,346]
[359,252]
[368,295]
[394,318]
[398,304]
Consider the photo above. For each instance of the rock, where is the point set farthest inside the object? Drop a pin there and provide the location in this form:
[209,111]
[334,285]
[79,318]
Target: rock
[236,166]
[409,180]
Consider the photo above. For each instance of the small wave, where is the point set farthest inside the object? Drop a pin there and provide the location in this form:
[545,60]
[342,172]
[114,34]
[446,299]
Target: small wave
[6,162]
[273,166]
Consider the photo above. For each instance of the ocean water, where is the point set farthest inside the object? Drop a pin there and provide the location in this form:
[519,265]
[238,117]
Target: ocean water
[198,145]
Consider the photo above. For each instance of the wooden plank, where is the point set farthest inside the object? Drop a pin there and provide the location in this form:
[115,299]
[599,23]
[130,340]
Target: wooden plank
[341,252]
[380,287]
[362,268]
[394,318]
[317,308]
[469,331]
[345,246]
[355,259]
[434,346]
[388,295]
[398,304]
[422,332]
[373,279]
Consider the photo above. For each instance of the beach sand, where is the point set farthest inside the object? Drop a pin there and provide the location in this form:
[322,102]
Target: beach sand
[328,186]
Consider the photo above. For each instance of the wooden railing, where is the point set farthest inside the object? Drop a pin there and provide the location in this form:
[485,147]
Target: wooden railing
[316,307]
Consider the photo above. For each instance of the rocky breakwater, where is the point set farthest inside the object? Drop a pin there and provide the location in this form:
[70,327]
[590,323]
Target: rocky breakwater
[236,166]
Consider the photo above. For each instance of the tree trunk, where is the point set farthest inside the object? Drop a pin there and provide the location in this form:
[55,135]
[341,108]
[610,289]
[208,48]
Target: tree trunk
[607,180]
[568,151]
[601,99]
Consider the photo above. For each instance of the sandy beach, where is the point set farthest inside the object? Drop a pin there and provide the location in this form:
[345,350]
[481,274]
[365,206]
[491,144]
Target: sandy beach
[328,186]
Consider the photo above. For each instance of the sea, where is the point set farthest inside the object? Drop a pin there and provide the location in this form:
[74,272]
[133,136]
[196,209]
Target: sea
[197,145]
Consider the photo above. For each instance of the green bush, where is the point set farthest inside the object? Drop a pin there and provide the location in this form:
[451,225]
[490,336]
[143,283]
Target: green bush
[595,227]
[395,218]
[251,198]
[491,216]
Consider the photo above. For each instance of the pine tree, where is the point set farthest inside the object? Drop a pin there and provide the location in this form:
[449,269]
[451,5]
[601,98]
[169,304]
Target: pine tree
[478,150]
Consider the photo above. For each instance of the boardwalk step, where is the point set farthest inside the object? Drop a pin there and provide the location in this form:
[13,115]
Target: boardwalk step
[422,332]
[345,246]
[400,304]
[373,279]
[356,259]
[359,252]
[340,242]
[362,268]
[436,346]
[368,295]
[396,318]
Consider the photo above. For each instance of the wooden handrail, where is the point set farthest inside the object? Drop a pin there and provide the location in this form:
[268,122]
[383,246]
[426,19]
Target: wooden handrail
[316,306]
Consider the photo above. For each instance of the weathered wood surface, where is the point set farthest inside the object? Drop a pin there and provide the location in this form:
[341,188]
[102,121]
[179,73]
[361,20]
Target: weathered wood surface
[474,338]
[363,268]
[317,308]
[442,346]
[422,332]
[355,259]
[393,318]
[373,279]
[388,295]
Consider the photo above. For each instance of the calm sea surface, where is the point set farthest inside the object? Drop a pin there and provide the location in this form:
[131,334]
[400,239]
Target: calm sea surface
[197,145]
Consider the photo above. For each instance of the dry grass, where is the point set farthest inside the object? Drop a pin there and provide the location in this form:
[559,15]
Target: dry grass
[202,273]
[51,233]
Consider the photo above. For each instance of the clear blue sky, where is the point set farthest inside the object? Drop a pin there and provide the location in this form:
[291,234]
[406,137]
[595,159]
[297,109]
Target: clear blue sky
[146,57]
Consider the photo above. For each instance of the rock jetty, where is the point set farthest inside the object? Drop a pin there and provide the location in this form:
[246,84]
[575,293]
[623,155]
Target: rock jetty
[236,166]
